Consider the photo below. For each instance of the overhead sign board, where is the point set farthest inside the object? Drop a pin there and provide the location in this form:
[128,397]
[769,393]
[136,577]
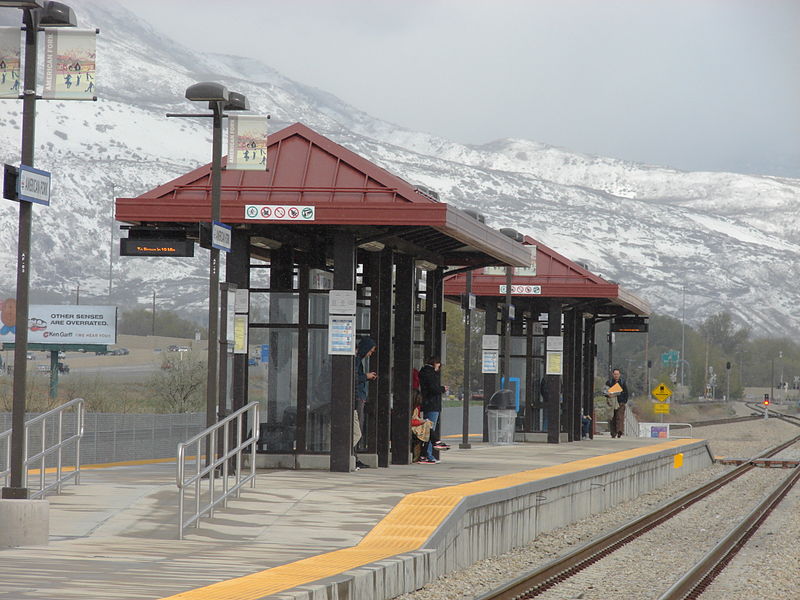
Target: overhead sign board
[155,247]
[67,324]
[661,392]
[629,324]
[33,185]
[221,236]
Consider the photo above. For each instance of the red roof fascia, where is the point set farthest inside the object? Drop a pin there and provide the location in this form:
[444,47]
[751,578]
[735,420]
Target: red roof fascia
[327,213]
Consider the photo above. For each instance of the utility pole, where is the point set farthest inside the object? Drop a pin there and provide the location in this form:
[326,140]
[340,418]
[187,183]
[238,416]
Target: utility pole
[154,313]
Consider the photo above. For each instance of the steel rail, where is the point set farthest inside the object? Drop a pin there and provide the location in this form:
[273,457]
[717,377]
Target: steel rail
[699,577]
[537,581]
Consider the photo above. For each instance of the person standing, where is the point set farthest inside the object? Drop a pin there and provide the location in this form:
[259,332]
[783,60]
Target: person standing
[617,423]
[431,387]
[366,348]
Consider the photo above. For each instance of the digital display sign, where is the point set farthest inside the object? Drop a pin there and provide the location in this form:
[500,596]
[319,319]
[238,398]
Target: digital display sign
[155,247]
[629,324]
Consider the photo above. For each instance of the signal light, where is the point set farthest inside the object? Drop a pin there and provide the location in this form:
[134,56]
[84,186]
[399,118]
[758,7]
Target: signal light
[766,400]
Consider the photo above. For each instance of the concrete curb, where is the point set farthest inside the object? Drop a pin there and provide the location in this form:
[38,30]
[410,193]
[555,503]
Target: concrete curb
[490,523]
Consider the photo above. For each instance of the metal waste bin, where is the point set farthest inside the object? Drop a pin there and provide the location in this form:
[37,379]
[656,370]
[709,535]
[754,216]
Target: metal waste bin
[501,416]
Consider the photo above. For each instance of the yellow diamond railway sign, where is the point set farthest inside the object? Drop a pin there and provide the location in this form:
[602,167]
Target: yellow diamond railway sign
[661,392]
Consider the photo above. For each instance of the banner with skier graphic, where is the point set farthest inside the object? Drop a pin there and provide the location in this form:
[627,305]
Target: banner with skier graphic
[70,64]
[247,142]
[10,50]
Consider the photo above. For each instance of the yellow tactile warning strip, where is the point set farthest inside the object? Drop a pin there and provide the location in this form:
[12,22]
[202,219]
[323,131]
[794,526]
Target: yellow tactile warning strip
[406,528]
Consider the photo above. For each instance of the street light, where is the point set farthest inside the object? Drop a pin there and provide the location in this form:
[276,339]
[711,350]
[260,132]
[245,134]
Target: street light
[219,100]
[36,13]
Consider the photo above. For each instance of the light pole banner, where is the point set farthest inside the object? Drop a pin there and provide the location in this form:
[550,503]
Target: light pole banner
[10,76]
[247,143]
[70,64]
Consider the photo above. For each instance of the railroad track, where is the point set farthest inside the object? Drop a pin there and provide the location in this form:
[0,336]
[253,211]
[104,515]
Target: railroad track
[793,419]
[538,581]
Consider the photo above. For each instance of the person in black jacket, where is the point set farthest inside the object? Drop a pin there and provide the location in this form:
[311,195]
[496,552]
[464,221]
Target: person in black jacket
[431,389]
[617,423]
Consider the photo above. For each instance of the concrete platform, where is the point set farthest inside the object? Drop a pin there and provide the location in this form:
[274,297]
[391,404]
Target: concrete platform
[115,535]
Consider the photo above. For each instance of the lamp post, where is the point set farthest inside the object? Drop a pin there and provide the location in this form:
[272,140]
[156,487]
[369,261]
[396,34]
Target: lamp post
[36,13]
[219,100]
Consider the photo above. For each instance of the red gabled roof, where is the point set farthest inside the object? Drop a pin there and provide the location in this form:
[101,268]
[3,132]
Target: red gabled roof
[304,167]
[556,277]
[307,169]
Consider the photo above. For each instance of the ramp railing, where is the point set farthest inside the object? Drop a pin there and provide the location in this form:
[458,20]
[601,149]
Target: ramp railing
[52,446]
[217,472]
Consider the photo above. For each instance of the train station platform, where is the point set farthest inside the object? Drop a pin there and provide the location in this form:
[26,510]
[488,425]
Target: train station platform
[374,533]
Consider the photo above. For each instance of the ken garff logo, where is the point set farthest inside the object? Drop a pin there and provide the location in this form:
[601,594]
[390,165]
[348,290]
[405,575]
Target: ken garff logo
[307,213]
[252,211]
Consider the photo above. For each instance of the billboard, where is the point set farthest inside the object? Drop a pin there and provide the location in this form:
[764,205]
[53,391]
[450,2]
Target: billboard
[62,324]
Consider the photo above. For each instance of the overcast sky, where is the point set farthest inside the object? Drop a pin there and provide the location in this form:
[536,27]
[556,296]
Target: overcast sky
[693,84]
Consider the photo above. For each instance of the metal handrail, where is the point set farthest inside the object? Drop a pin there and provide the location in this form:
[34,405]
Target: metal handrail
[206,443]
[57,448]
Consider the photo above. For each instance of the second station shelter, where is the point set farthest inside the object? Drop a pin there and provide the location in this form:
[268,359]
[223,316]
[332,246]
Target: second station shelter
[549,334]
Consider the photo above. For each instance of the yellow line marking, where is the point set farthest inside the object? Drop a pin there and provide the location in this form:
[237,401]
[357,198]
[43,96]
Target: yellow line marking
[125,463]
[406,528]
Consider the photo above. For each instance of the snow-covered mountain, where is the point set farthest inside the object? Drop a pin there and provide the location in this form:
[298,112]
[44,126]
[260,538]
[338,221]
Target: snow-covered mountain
[732,240]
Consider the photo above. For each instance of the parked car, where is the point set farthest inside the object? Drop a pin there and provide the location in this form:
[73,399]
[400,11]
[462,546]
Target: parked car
[119,352]
[172,348]
[63,367]
[31,356]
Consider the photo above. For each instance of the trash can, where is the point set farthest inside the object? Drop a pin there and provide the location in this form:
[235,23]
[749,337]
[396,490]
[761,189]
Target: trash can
[501,416]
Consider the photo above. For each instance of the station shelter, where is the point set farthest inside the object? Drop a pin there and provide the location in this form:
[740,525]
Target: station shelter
[550,328]
[322,218]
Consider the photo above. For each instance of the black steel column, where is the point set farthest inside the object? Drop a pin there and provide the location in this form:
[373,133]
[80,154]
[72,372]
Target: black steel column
[530,384]
[342,367]
[17,460]
[382,294]
[465,445]
[553,382]
[505,369]
[588,371]
[237,271]
[489,379]
[302,354]
[403,335]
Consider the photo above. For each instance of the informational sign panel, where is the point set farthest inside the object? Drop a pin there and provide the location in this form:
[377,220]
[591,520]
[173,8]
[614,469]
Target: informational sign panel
[342,334]
[279,212]
[33,185]
[221,236]
[555,343]
[264,353]
[230,313]
[242,304]
[342,302]
[70,64]
[490,342]
[490,361]
[247,143]
[661,408]
[10,74]
[240,327]
[654,430]
[66,324]
[554,363]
